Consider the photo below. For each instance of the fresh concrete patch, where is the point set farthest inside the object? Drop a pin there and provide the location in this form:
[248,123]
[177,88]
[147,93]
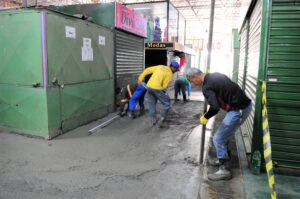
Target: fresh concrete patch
[126,159]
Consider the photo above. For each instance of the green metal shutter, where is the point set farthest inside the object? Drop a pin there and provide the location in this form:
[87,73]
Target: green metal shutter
[283,85]
[243,59]
[252,64]
[246,134]
[129,57]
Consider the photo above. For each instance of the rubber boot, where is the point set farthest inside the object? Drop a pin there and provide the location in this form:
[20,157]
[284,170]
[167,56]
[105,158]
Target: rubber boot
[221,174]
[131,114]
[141,112]
[162,121]
[153,121]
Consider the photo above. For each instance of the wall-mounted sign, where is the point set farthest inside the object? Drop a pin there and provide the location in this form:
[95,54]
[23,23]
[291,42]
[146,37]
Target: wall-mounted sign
[87,50]
[101,40]
[70,32]
[159,45]
[130,21]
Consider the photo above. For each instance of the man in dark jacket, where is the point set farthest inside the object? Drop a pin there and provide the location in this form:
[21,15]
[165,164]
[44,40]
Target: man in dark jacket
[180,86]
[221,92]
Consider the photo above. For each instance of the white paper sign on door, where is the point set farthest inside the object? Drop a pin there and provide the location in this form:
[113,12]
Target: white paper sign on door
[87,50]
[87,42]
[70,32]
[87,54]
[101,40]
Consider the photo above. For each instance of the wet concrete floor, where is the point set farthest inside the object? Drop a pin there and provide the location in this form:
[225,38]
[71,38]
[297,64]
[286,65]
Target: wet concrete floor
[127,159]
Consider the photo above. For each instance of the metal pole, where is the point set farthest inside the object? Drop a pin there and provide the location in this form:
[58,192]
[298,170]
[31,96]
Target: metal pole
[100,126]
[168,16]
[210,36]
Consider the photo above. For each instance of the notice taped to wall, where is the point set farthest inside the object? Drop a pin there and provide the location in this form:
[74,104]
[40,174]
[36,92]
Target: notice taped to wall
[87,54]
[101,40]
[70,32]
[87,50]
[87,42]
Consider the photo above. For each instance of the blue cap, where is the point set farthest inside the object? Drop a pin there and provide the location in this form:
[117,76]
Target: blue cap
[175,65]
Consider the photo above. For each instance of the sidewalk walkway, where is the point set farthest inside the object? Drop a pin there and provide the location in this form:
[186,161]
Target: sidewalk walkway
[244,184]
[232,189]
[256,186]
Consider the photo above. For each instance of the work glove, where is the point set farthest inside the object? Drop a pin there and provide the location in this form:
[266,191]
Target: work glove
[203,120]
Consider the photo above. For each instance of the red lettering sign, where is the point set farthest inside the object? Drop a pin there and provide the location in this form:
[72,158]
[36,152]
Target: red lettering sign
[130,21]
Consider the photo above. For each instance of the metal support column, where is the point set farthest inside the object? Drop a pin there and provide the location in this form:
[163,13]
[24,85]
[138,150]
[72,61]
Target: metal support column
[210,37]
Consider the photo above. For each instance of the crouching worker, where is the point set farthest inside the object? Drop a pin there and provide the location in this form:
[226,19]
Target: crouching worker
[131,95]
[221,92]
[157,90]
[182,85]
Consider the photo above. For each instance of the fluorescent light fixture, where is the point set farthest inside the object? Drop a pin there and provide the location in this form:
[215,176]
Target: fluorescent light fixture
[141,8]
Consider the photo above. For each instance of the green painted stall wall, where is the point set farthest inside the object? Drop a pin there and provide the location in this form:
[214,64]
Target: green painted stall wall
[84,89]
[64,54]
[24,110]
[102,14]
[20,51]
[85,102]
[54,111]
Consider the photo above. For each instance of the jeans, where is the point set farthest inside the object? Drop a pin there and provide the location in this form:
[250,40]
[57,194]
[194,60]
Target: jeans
[180,86]
[228,127]
[163,97]
[137,97]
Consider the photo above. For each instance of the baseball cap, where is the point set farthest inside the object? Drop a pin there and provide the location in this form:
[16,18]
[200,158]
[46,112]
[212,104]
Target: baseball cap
[175,65]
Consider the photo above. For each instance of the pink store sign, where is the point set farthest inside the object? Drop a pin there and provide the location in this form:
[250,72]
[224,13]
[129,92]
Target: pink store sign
[130,21]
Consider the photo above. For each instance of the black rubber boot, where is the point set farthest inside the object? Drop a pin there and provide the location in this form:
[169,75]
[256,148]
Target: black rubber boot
[131,114]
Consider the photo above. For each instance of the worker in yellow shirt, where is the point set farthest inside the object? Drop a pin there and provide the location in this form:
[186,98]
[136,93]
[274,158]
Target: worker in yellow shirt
[157,89]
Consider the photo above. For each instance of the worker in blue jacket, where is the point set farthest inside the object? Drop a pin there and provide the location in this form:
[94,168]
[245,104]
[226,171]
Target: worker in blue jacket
[131,95]
[182,85]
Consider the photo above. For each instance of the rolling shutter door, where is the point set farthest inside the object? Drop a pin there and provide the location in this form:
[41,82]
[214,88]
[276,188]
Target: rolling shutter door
[250,74]
[129,58]
[283,86]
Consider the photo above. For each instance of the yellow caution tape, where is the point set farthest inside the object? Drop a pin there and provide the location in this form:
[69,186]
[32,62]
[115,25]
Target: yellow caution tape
[267,143]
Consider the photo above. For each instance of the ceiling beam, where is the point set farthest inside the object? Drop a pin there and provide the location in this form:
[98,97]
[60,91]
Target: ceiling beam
[231,5]
[193,10]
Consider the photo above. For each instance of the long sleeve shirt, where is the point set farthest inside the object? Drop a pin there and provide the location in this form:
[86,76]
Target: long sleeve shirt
[187,83]
[221,92]
[160,79]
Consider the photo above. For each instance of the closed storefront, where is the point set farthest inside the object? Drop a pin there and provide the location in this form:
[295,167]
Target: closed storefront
[129,57]
[270,52]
